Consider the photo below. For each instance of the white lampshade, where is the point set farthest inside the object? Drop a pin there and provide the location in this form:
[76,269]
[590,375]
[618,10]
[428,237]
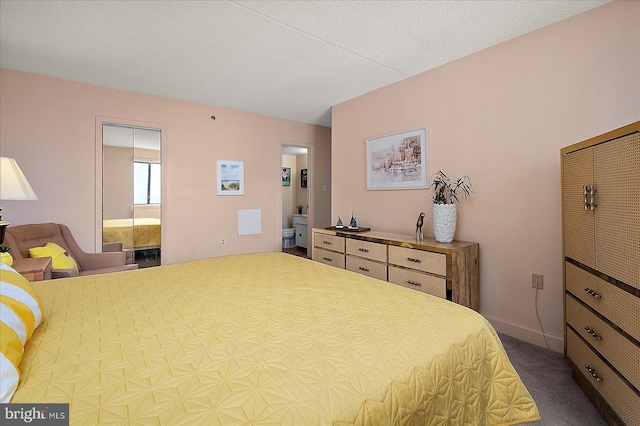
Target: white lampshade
[13,184]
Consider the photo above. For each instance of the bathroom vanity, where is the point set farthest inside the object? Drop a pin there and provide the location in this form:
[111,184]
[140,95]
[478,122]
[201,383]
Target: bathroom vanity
[300,222]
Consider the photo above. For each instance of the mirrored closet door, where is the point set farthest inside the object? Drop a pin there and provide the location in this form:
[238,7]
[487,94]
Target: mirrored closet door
[131,191]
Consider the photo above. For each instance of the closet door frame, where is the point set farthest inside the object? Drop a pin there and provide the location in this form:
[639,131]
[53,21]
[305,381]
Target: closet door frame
[100,121]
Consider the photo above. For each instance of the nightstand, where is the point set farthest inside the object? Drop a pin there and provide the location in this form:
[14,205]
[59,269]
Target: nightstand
[34,268]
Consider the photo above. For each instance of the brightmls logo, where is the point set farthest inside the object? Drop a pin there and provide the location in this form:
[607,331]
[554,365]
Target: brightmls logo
[39,414]
[27,415]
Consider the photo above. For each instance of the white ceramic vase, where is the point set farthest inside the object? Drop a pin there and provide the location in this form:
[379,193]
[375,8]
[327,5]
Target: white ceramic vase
[444,222]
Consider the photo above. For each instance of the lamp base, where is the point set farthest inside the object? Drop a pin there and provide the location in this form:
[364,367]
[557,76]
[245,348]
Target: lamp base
[3,226]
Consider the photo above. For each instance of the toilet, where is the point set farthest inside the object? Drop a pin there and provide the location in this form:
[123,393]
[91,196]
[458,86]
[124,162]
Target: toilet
[288,237]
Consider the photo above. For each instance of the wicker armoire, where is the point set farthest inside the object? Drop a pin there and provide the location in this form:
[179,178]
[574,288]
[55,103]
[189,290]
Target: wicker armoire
[601,254]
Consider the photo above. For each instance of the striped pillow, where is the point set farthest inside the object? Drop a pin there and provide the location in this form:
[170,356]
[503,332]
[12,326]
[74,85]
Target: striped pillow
[20,314]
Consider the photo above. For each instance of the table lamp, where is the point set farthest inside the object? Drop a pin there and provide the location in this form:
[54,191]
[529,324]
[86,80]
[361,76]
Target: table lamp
[13,186]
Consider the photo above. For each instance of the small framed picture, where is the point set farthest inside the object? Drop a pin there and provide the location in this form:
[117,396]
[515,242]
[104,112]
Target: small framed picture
[230,177]
[398,160]
[303,178]
[286,176]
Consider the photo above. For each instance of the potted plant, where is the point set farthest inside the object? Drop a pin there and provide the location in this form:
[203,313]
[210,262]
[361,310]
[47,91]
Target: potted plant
[444,204]
[5,256]
[299,208]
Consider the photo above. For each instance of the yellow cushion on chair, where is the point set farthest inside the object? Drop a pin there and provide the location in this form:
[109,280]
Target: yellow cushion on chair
[60,259]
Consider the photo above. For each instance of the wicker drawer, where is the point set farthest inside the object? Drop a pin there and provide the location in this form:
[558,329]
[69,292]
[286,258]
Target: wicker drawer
[619,396]
[367,267]
[373,251]
[425,283]
[616,348]
[329,242]
[620,307]
[426,261]
[329,257]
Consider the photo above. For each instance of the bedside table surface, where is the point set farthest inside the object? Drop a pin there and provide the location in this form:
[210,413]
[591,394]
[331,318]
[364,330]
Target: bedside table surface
[33,268]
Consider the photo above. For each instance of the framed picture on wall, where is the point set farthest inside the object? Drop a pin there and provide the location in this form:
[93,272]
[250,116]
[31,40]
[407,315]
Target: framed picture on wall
[286,176]
[230,177]
[303,178]
[398,160]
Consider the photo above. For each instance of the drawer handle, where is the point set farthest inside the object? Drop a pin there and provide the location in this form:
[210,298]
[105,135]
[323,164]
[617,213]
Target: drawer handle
[593,373]
[363,269]
[326,242]
[363,249]
[593,333]
[328,259]
[414,283]
[411,259]
[588,197]
[591,292]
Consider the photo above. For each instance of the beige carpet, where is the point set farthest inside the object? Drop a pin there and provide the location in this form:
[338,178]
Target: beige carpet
[548,378]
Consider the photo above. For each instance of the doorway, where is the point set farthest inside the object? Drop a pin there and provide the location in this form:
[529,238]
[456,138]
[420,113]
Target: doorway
[295,199]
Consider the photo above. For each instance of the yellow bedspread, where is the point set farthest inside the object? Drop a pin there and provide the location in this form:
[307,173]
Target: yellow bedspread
[265,338]
[132,233]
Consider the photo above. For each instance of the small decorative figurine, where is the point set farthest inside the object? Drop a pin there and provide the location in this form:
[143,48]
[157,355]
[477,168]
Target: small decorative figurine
[353,224]
[419,223]
[339,224]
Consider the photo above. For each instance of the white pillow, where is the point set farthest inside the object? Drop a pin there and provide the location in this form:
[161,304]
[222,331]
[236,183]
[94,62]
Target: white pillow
[20,314]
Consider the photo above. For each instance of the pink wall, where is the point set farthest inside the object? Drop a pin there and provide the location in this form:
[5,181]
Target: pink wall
[48,126]
[501,116]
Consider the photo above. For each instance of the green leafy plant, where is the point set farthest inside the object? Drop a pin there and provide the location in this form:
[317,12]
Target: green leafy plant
[299,206]
[446,190]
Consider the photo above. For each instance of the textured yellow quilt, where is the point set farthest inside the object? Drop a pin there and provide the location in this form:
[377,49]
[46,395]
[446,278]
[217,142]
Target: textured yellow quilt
[265,339]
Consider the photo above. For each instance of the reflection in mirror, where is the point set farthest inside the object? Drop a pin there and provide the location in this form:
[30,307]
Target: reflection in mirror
[131,188]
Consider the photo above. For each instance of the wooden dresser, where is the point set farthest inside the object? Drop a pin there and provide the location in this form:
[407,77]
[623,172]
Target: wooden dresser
[447,270]
[601,249]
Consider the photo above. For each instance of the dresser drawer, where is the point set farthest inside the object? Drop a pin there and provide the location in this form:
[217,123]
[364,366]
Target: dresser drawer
[618,395]
[329,257]
[426,261]
[426,283]
[617,349]
[367,267]
[329,242]
[373,251]
[620,307]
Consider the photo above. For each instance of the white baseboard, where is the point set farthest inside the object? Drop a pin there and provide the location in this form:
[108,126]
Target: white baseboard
[535,337]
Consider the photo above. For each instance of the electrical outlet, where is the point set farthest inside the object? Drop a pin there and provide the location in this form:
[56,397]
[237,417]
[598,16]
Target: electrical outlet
[537,281]
[223,242]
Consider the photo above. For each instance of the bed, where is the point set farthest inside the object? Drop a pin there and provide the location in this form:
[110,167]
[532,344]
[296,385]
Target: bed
[138,233]
[264,338]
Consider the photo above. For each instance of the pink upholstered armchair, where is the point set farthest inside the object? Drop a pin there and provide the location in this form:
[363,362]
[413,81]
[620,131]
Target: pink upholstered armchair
[21,238]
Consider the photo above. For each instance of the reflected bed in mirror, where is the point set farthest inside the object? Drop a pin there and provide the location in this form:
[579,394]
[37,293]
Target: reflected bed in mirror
[140,234]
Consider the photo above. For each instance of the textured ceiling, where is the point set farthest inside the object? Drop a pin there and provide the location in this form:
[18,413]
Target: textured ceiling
[287,59]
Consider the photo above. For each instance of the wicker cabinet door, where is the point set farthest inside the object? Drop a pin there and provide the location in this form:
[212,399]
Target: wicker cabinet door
[579,229]
[617,225]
